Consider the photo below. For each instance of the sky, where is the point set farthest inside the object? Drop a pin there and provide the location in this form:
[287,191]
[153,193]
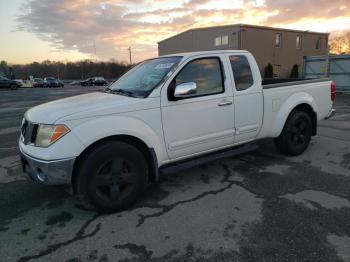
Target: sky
[71,30]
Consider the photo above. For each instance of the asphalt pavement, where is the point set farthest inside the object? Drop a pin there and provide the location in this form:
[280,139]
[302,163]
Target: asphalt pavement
[261,206]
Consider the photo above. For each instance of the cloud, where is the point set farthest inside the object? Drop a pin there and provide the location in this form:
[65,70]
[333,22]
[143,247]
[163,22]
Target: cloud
[83,25]
[111,26]
[290,11]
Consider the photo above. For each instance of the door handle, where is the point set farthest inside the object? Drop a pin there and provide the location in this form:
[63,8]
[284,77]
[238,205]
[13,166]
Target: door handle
[225,103]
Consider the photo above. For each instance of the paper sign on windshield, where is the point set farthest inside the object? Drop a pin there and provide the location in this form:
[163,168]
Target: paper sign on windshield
[164,66]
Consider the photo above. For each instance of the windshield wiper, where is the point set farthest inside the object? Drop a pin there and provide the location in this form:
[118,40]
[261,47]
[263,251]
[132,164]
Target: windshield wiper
[120,91]
[107,90]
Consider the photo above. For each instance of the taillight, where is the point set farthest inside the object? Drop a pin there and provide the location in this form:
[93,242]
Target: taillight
[332,91]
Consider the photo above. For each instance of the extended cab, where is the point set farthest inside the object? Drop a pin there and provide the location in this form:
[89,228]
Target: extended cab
[163,113]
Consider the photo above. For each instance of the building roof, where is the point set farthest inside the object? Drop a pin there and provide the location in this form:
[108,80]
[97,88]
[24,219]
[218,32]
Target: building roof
[245,25]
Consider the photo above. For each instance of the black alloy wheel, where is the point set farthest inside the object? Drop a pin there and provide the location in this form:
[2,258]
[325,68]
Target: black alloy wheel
[296,134]
[115,180]
[111,176]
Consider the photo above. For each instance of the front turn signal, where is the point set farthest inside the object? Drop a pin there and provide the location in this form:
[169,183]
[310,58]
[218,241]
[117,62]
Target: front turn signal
[49,134]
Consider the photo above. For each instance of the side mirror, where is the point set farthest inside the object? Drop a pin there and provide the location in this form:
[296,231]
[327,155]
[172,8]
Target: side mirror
[185,90]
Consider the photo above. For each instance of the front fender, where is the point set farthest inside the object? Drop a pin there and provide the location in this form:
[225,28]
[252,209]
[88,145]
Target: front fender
[292,102]
[96,129]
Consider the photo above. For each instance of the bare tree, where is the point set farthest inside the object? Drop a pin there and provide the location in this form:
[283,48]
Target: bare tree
[67,70]
[340,43]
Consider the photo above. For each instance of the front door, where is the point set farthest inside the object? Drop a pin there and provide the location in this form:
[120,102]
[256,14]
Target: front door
[204,120]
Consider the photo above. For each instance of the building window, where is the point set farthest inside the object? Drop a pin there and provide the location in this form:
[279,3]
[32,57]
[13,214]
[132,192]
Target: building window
[221,40]
[224,40]
[278,40]
[298,42]
[218,41]
[318,43]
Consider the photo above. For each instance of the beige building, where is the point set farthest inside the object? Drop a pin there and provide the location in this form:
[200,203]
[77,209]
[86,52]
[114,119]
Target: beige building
[282,48]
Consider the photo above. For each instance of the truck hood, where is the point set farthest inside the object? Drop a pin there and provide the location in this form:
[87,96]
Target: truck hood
[82,106]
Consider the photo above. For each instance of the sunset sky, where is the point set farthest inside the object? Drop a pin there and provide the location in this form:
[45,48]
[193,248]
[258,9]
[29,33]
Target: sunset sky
[73,29]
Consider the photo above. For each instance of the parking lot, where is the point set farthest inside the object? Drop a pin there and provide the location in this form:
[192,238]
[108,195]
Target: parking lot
[260,206]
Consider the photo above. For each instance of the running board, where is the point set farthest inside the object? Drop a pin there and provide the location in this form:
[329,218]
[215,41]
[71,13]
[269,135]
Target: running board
[186,164]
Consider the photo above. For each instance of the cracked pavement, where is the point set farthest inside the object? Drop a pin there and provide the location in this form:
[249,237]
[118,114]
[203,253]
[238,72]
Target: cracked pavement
[260,206]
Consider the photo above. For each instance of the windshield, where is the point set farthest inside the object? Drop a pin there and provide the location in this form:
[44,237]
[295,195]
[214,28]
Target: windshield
[143,78]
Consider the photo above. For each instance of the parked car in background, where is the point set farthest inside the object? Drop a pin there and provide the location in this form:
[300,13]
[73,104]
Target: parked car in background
[165,113]
[87,82]
[94,81]
[61,83]
[20,82]
[75,83]
[53,82]
[99,81]
[39,82]
[8,83]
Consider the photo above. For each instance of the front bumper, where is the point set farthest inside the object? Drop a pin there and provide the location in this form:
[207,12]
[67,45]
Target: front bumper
[330,114]
[54,172]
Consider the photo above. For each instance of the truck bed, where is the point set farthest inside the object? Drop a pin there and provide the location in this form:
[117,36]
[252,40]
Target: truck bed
[268,83]
[278,102]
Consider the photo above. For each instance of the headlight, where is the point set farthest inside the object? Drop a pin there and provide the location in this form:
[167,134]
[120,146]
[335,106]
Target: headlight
[49,134]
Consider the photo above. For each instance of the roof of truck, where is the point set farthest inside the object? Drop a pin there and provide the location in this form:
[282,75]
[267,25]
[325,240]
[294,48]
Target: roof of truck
[189,54]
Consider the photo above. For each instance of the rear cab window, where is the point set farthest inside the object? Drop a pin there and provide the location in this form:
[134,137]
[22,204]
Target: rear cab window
[242,72]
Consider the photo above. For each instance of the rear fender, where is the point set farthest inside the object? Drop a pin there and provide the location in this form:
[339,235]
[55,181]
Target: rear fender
[288,106]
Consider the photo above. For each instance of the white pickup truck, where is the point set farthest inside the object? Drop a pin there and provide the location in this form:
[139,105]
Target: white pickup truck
[164,113]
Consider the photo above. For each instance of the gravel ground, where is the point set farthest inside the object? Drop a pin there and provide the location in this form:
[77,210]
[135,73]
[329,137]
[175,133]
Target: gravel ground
[261,206]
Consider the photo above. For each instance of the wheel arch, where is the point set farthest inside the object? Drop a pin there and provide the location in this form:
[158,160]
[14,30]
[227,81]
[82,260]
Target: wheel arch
[303,107]
[149,154]
[300,101]
[309,110]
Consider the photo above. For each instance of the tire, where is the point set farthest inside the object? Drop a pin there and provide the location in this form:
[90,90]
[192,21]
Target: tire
[13,86]
[296,134]
[111,177]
